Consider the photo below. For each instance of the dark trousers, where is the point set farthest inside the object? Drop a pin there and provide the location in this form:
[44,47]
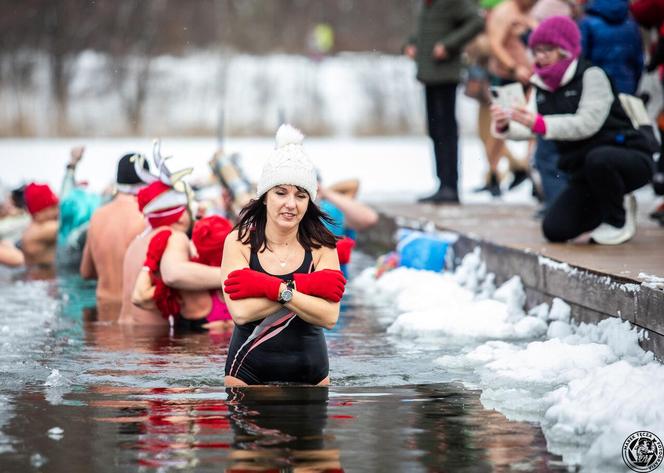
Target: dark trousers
[442,124]
[595,194]
[553,179]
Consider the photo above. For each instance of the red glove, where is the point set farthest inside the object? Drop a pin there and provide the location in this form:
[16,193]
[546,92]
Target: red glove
[156,250]
[344,247]
[166,299]
[244,283]
[326,283]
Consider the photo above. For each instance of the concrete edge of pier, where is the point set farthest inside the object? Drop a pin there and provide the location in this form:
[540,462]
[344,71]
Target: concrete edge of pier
[592,296]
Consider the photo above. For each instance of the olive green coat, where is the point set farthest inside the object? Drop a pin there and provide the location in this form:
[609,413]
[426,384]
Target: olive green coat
[451,22]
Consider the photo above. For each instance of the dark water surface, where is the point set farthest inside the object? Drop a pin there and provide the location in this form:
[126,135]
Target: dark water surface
[81,394]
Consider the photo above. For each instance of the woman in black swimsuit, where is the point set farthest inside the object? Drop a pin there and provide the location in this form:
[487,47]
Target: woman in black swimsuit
[282,280]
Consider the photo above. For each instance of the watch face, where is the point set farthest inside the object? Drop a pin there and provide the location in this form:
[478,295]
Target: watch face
[286,295]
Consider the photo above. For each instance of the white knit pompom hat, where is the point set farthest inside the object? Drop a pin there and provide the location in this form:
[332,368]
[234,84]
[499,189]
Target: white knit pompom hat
[288,164]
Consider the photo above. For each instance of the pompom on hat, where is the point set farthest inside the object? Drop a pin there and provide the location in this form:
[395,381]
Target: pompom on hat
[288,164]
[39,197]
[559,31]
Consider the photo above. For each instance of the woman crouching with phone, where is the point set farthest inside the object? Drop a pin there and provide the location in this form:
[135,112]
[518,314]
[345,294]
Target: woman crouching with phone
[282,282]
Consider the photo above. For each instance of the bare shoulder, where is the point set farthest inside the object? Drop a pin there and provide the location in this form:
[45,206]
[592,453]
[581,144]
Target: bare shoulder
[234,244]
[502,12]
[177,237]
[325,257]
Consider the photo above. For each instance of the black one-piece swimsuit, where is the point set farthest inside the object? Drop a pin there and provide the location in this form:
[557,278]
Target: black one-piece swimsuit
[286,350]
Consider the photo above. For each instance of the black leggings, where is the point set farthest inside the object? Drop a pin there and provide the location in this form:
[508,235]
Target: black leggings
[595,194]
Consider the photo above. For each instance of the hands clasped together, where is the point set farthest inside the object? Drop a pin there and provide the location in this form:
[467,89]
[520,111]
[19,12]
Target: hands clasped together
[327,284]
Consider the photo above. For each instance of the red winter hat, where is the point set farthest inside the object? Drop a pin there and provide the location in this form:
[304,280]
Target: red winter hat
[39,197]
[208,236]
[161,204]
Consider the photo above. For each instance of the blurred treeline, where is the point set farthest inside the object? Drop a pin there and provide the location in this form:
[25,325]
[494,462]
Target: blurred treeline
[59,30]
[158,26]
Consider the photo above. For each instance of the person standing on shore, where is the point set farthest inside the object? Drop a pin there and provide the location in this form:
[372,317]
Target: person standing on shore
[444,28]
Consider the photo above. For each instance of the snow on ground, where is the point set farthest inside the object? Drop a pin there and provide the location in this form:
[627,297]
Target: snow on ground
[589,385]
[398,168]
[395,168]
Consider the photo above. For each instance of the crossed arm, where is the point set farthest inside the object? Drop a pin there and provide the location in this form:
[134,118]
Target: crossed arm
[311,309]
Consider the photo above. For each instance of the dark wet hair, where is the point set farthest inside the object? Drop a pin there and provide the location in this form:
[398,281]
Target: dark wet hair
[311,233]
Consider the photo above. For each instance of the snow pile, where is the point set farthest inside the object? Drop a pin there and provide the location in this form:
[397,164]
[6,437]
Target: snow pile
[432,305]
[649,280]
[589,385]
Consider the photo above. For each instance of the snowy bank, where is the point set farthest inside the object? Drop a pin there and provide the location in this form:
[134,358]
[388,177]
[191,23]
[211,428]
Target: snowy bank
[589,385]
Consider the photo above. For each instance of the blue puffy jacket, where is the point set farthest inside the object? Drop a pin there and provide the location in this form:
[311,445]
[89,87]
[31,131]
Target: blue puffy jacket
[611,40]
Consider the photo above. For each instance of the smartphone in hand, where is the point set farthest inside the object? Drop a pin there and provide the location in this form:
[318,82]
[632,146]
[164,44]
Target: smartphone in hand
[508,96]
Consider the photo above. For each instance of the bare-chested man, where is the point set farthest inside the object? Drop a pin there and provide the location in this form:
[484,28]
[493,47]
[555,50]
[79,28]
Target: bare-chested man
[163,207]
[112,228]
[505,25]
[39,239]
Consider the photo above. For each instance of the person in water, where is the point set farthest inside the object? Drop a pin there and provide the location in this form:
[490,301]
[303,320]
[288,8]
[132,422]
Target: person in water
[196,310]
[282,282]
[39,240]
[107,242]
[166,203]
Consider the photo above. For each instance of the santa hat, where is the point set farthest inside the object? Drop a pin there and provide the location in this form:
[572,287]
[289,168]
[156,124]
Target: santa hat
[288,164]
[39,197]
[161,204]
[209,235]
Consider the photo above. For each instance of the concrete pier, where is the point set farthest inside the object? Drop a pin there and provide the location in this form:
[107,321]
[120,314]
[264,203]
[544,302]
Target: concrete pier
[596,281]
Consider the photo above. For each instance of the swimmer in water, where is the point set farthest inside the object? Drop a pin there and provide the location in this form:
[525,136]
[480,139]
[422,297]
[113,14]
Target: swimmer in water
[107,242]
[166,203]
[281,276]
[195,310]
[39,240]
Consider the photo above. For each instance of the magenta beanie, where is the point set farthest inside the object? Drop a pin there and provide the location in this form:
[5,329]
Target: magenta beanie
[559,31]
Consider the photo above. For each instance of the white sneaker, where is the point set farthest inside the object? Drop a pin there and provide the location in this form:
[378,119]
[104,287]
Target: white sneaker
[607,234]
[630,212]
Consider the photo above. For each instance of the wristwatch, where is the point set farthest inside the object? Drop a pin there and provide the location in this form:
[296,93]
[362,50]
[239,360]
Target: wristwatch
[287,294]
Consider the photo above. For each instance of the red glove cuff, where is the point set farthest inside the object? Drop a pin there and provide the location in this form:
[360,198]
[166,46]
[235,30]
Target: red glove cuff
[539,126]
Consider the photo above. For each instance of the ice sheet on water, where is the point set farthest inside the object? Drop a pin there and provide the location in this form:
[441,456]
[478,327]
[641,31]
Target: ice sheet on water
[56,379]
[56,433]
[57,386]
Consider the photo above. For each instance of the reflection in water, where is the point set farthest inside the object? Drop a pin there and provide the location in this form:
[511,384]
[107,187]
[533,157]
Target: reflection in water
[146,397]
[418,428]
[257,429]
[281,427]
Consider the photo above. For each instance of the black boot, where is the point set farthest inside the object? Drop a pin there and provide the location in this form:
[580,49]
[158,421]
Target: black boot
[492,186]
[444,195]
[519,177]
